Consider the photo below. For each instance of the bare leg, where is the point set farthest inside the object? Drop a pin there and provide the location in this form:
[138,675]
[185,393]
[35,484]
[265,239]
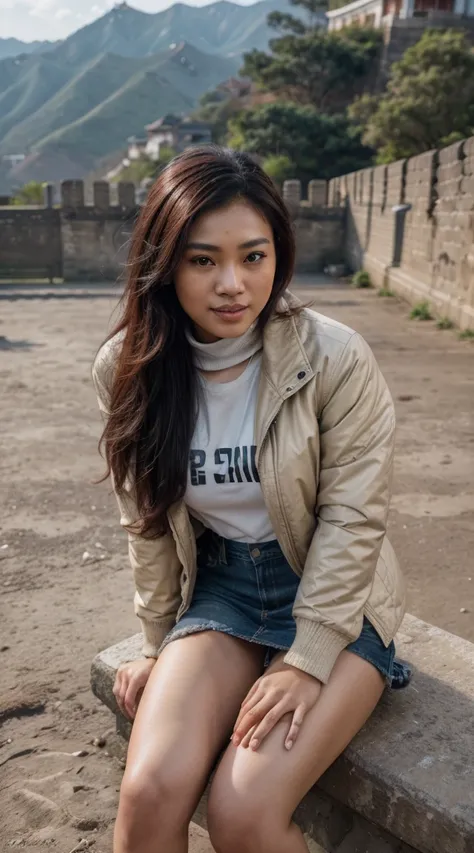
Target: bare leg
[184,719]
[254,794]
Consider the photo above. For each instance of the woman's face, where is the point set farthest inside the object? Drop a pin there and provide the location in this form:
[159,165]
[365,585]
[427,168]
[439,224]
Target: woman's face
[225,277]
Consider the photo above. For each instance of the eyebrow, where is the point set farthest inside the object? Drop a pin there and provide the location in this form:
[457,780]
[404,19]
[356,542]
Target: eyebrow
[208,247]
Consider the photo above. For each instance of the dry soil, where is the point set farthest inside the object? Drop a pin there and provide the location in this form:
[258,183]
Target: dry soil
[66,589]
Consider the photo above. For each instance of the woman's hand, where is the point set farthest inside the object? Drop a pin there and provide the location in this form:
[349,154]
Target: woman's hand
[129,684]
[282,690]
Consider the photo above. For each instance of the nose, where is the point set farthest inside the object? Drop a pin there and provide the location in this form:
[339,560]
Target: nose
[229,280]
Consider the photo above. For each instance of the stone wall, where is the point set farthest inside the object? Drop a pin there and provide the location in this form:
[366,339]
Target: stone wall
[425,251]
[319,228]
[406,782]
[91,240]
[30,243]
[402,33]
[95,238]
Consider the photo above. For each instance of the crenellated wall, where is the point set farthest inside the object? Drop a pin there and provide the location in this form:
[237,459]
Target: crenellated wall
[95,237]
[91,240]
[410,224]
[319,227]
[425,250]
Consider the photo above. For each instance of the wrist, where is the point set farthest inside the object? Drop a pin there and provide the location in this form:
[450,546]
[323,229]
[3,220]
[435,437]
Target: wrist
[305,676]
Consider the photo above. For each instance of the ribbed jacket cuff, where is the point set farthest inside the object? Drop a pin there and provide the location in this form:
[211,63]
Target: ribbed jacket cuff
[154,633]
[316,648]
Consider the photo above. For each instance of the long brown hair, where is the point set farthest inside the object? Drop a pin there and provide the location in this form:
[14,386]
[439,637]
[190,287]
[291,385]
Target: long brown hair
[153,396]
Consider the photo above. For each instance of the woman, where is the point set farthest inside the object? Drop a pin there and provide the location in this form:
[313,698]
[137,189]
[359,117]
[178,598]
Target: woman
[250,443]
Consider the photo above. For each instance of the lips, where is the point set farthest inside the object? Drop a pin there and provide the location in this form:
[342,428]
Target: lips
[230,309]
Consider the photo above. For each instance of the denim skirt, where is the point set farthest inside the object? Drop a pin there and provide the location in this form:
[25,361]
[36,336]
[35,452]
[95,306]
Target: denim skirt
[248,591]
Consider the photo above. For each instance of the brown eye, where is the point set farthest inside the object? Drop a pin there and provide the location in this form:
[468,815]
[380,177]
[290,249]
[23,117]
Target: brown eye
[254,257]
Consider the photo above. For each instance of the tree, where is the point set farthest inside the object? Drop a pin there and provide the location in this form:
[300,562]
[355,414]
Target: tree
[429,101]
[309,65]
[305,23]
[318,145]
[139,170]
[279,168]
[216,109]
[31,193]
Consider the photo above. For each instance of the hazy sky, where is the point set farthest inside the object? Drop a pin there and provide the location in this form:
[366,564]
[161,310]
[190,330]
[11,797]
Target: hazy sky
[54,19]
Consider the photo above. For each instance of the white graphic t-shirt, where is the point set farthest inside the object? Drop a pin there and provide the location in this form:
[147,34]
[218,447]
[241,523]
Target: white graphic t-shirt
[223,489]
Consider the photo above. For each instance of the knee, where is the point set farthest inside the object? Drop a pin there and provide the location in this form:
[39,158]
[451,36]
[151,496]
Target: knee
[157,800]
[238,822]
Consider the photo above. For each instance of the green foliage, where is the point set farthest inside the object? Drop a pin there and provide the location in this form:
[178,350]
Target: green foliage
[444,323]
[217,110]
[386,292]
[29,194]
[299,25]
[320,146]
[429,101]
[137,171]
[279,167]
[421,311]
[466,335]
[361,279]
[324,69]
[143,168]
[211,98]
[166,155]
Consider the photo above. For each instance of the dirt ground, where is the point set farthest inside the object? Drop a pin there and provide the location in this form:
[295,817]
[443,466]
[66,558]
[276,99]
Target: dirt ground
[66,589]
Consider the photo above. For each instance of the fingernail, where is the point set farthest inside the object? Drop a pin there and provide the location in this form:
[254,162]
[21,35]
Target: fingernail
[289,744]
[254,744]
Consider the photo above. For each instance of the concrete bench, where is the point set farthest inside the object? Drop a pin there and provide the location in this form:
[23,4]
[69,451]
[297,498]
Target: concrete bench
[406,783]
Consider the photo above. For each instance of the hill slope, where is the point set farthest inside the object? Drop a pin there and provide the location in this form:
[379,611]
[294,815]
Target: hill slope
[38,80]
[83,97]
[77,97]
[224,28]
[13,47]
[113,98]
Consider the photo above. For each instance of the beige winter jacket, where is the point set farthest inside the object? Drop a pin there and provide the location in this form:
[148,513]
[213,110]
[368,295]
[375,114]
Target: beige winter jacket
[325,436]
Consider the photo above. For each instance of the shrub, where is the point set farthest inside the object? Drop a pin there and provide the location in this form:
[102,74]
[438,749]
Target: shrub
[421,311]
[444,323]
[361,279]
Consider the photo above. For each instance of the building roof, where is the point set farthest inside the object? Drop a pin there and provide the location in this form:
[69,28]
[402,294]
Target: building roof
[169,122]
[355,6]
[166,121]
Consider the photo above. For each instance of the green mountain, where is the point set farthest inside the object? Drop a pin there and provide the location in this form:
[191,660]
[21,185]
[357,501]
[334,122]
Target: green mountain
[80,94]
[65,129]
[38,80]
[222,28]
[163,83]
[65,106]
[13,47]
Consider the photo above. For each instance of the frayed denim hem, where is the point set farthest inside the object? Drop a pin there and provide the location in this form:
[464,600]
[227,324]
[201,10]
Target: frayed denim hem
[178,633]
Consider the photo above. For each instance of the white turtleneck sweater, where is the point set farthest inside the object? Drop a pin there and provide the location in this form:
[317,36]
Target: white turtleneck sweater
[223,489]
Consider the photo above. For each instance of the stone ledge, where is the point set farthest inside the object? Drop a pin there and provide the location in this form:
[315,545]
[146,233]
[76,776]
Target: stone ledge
[406,783]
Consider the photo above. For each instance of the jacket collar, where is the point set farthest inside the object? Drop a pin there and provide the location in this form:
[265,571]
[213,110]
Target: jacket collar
[285,362]
[285,366]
